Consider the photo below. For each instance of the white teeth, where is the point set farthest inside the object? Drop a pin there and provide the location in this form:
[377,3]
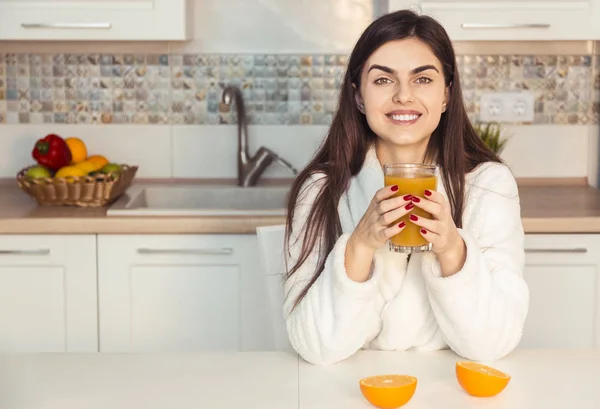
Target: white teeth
[404,117]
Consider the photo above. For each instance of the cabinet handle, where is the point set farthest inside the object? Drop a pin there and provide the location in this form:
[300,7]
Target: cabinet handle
[38,252]
[505,25]
[67,25]
[220,252]
[578,250]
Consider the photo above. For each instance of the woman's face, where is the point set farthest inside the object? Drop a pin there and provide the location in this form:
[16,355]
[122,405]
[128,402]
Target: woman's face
[403,93]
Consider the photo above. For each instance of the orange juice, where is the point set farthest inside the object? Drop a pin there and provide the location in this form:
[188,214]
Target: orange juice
[414,183]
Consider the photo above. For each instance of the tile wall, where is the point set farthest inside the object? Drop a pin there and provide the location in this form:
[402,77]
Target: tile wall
[279,89]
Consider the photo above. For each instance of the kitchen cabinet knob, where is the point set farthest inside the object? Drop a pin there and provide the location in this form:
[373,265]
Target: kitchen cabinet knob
[212,252]
[577,250]
[34,252]
[504,25]
[67,25]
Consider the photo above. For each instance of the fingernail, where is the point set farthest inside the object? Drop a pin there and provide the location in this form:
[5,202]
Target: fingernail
[394,188]
[416,199]
[409,206]
[428,193]
[402,224]
[423,231]
[413,217]
[407,197]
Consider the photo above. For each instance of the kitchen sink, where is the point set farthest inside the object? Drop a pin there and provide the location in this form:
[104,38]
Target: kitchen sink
[201,200]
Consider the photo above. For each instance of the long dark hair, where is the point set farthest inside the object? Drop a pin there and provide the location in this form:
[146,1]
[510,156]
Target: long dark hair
[454,145]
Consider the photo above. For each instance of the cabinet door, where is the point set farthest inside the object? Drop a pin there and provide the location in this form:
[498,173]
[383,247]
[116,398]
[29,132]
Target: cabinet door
[563,274]
[511,19]
[94,20]
[181,293]
[48,293]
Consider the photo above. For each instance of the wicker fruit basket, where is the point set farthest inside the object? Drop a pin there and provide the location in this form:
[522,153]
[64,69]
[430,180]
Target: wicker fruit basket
[84,191]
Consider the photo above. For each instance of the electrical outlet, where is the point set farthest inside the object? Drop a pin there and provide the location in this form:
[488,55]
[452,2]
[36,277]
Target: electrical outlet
[506,107]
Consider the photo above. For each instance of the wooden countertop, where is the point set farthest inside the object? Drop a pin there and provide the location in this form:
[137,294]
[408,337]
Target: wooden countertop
[20,214]
[546,208]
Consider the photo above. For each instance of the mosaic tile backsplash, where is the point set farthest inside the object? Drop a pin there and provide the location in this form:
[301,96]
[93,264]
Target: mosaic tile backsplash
[278,89]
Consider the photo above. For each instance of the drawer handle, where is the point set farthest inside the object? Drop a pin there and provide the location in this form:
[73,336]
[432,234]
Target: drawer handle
[38,252]
[504,25]
[578,250]
[67,25]
[218,252]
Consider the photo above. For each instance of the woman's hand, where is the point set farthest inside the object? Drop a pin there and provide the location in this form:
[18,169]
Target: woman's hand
[440,231]
[375,228]
[377,225]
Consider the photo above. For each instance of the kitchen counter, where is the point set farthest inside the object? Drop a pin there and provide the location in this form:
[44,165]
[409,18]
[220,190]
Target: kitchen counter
[549,379]
[559,208]
[146,381]
[20,214]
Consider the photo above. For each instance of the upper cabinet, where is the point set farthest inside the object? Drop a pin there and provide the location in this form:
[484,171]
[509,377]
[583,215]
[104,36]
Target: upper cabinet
[468,20]
[133,20]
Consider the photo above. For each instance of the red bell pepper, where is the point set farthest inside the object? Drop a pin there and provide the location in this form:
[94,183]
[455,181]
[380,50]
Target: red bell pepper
[52,152]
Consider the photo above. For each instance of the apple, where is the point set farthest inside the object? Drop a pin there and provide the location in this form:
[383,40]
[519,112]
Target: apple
[111,167]
[38,172]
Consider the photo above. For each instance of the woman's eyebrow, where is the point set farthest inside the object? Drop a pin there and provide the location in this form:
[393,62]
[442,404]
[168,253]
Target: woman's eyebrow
[392,71]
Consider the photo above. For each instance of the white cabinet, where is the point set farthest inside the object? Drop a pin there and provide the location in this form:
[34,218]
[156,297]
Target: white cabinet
[511,19]
[174,293]
[563,273]
[134,20]
[179,293]
[48,293]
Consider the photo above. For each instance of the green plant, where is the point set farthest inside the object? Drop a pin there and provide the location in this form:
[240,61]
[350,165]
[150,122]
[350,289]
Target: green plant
[491,133]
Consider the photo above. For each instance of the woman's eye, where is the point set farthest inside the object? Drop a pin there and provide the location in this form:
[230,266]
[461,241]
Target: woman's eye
[423,80]
[382,81]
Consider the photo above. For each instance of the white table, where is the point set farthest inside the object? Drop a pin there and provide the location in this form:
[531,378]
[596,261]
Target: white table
[548,379]
[128,381]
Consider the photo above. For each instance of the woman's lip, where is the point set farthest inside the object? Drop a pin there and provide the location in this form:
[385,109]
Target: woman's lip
[396,118]
[404,112]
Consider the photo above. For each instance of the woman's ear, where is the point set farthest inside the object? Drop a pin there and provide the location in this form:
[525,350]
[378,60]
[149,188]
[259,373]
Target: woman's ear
[446,97]
[360,104]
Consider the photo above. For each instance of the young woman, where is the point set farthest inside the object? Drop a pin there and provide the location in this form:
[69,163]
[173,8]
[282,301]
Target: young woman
[401,102]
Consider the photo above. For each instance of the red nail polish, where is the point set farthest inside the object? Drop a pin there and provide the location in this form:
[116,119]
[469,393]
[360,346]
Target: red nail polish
[407,197]
[402,224]
[409,206]
[423,231]
[413,217]
[428,193]
[394,188]
[416,199]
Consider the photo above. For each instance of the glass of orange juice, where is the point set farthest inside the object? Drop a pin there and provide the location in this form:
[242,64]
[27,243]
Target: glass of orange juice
[412,179]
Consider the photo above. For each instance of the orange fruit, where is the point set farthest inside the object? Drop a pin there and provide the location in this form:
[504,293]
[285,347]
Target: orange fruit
[97,160]
[77,148]
[480,380]
[388,391]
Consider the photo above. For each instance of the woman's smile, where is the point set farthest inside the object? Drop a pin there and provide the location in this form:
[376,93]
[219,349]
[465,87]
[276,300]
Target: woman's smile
[404,117]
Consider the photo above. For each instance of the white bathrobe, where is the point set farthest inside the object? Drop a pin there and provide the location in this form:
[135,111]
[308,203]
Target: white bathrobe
[479,312]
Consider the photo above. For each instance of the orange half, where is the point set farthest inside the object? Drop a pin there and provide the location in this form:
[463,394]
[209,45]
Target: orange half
[480,380]
[388,391]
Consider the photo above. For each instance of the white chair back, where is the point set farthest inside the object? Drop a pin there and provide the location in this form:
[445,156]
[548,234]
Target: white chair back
[270,242]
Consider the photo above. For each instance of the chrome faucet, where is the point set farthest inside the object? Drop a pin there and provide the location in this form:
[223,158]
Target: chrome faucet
[250,167]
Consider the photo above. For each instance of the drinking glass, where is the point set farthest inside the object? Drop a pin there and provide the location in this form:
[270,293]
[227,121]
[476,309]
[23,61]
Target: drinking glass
[411,179]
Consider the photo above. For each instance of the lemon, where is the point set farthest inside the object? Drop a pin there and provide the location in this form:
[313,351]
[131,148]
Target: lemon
[86,166]
[69,172]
